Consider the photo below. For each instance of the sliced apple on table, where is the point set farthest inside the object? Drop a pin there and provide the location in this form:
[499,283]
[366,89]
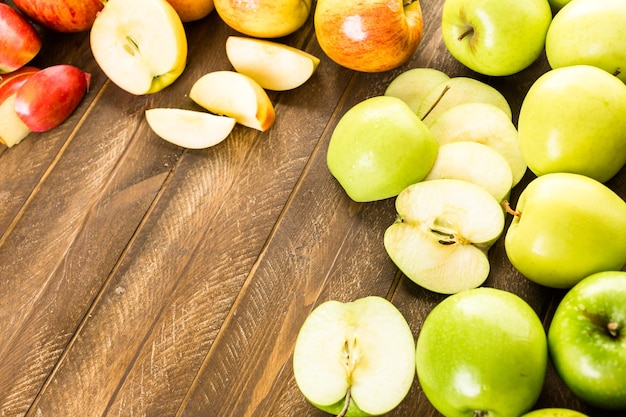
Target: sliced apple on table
[355,358]
[189,128]
[232,94]
[12,129]
[273,65]
[484,123]
[474,162]
[412,86]
[140,45]
[442,234]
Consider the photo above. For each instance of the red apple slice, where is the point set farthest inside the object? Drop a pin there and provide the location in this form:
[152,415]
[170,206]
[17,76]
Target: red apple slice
[188,128]
[236,95]
[12,129]
[19,41]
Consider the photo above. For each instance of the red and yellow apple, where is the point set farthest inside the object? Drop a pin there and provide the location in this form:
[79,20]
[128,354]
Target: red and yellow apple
[62,15]
[12,128]
[192,10]
[19,41]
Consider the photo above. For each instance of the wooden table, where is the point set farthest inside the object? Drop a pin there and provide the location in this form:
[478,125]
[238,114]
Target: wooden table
[138,278]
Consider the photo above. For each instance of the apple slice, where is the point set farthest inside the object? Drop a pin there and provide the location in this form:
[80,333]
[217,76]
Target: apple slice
[484,123]
[458,90]
[413,85]
[235,95]
[188,128]
[12,129]
[19,41]
[476,163]
[140,45]
[358,357]
[273,65]
[443,232]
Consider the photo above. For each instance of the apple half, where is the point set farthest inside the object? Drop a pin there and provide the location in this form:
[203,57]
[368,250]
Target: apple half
[140,45]
[273,65]
[235,95]
[443,232]
[355,358]
[188,128]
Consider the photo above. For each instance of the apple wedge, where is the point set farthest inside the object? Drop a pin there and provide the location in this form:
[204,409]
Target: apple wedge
[188,128]
[235,95]
[358,357]
[474,162]
[484,123]
[442,234]
[412,86]
[140,45]
[273,65]
[12,129]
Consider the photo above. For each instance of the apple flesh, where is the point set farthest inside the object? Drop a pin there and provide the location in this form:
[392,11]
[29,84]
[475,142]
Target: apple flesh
[188,128]
[192,10]
[587,339]
[64,87]
[358,357]
[19,42]
[482,352]
[442,234]
[12,129]
[140,45]
[371,35]
[235,95]
[273,65]
[62,15]
[412,86]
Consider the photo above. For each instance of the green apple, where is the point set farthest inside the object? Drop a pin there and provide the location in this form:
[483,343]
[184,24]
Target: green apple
[572,120]
[378,148]
[587,339]
[358,357]
[566,227]
[140,45]
[414,84]
[589,32]
[482,352]
[443,232]
[484,123]
[554,412]
[495,37]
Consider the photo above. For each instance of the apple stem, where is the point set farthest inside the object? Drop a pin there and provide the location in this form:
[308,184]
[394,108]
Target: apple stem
[617,72]
[468,32]
[480,413]
[445,90]
[346,405]
[613,328]
[509,210]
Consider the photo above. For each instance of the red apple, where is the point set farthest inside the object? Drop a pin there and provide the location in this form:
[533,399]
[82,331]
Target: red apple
[19,41]
[62,15]
[369,35]
[12,129]
[50,96]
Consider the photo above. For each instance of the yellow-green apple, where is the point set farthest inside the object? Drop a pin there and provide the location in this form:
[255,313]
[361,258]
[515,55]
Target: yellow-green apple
[235,95]
[273,65]
[414,84]
[12,128]
[189,128]
[378,148]
[19,41]
[140,45]
[599,37]
[565,227]
[264,18]
[192,10]
[442,233]
[484,123]
[355,358]
[369,35]
[495,37]
[572,120]
[64,86]
[587,340]
[554,412]
[62,15]
[482,352]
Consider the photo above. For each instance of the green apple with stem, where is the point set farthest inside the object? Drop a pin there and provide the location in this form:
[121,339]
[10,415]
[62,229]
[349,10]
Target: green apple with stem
[565,227]
[587,339]
[589,32]
[482,352]
[495,37]
[378,148]
[442,234]
[572,120]
[355,358]
[554,412]
[414,84]
[140,45]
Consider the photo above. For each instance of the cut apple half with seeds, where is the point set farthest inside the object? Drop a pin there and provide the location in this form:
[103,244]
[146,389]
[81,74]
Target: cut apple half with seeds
[235,95]
[443,232]
[188,128]
[273,65]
